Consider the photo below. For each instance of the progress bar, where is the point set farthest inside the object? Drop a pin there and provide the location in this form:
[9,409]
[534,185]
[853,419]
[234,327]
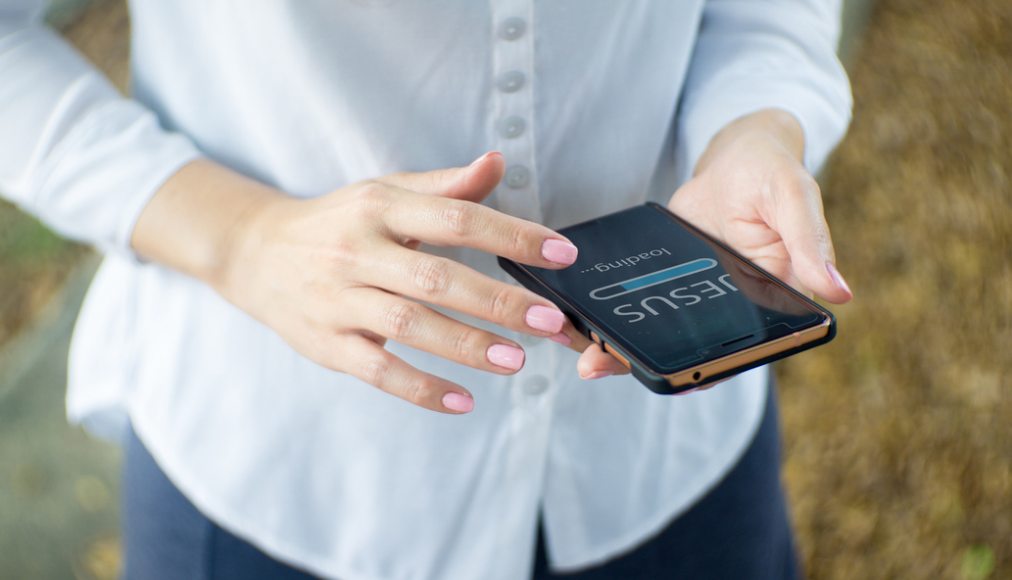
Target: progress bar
[652,279]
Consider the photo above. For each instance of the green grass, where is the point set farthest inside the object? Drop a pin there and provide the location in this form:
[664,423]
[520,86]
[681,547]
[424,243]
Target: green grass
[24,240]
[34,262]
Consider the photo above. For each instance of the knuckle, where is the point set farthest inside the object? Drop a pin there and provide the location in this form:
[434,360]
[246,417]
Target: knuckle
[803,186]
[809,184]
[431,276]
[822,238]
[340,254]
[326,351]
[503,304]
[399,320]
[421,390]
[466,343]
[374,371]
[434,180]
[458,218]
[791,192]
[521,242]
[370,197]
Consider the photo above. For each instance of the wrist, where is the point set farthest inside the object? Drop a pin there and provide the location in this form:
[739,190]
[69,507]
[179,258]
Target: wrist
[201,219]
[774,128]
[243,236]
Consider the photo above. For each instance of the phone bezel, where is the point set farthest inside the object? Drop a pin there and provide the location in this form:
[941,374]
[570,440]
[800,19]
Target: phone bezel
[710,369]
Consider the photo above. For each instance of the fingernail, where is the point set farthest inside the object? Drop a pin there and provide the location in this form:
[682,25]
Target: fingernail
[483,157]
[458,402]
[559,251]
[835,275]
[544,318]
[505,356]
[561,338]
[597,375]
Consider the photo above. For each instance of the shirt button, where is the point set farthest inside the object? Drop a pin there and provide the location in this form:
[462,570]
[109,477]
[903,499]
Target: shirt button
[511,82]
[518,176]
[512,28]
[512,127]
[536,385]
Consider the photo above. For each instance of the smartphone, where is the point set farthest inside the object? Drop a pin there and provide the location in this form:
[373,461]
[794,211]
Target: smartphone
[679,308]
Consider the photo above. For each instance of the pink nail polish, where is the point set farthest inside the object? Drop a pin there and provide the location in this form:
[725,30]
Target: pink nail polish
[483,158]
[458,402]
[835,275]
[544,318]
[559,251]
[561,339]
[506,356]
[597,375]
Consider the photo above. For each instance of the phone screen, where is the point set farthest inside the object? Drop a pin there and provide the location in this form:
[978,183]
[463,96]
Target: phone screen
[670,296]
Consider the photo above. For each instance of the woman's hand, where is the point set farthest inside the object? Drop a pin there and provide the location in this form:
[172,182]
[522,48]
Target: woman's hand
[751,191]
[338,275]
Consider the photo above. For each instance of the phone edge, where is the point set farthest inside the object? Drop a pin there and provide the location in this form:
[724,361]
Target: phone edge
[671,383]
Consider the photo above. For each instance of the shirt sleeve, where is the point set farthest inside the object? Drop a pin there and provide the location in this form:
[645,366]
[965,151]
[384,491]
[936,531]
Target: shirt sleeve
[757,54]
[73,151]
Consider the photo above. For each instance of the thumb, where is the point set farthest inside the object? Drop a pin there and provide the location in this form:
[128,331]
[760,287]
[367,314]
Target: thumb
[472,183]
[802,226]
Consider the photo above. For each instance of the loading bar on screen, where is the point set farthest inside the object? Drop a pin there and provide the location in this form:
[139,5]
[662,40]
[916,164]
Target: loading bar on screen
[652,279]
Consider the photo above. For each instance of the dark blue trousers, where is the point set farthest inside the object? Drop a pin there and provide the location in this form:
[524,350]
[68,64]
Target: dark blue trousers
[739,530]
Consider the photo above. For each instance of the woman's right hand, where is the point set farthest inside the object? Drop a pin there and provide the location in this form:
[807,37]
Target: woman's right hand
[338,275]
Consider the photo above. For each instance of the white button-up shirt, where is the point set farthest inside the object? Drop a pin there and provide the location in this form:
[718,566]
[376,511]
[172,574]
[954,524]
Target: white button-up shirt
[597,105]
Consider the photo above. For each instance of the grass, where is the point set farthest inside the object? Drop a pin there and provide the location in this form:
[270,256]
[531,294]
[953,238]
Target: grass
[34,263]
[899,459]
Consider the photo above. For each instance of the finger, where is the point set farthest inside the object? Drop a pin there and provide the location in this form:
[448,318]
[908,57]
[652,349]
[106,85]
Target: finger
[571,338]
[378,367]
[472,183]
[761,292]
[800,221]
[418,326]
[594,363]
[447,283]
[453,222]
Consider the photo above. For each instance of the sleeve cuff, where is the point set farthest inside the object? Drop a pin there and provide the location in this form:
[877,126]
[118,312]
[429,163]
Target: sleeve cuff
[823,120]
[97,183]
[175,154]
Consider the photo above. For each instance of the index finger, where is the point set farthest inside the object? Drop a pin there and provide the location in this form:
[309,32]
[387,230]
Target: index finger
[452,222]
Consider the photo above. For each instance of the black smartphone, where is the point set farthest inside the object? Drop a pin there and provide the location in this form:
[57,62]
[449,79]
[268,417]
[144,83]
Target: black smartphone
[676,306]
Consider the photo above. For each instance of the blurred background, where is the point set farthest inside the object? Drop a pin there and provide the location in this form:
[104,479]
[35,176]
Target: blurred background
[897,435]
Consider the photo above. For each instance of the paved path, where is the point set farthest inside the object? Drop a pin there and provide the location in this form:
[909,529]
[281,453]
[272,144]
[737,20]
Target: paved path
[58,486]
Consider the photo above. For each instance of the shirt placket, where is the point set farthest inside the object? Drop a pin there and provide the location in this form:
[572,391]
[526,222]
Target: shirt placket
[512,127]
[513,106]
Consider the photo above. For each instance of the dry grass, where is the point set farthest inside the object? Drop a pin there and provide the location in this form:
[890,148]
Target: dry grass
[899,455]
[33,266]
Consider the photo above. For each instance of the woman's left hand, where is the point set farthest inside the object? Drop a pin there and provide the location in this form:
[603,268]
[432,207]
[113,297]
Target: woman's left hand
[751,191]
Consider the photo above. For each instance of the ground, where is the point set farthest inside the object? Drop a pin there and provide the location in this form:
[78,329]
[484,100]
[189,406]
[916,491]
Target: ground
[899,460]
[898,455]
